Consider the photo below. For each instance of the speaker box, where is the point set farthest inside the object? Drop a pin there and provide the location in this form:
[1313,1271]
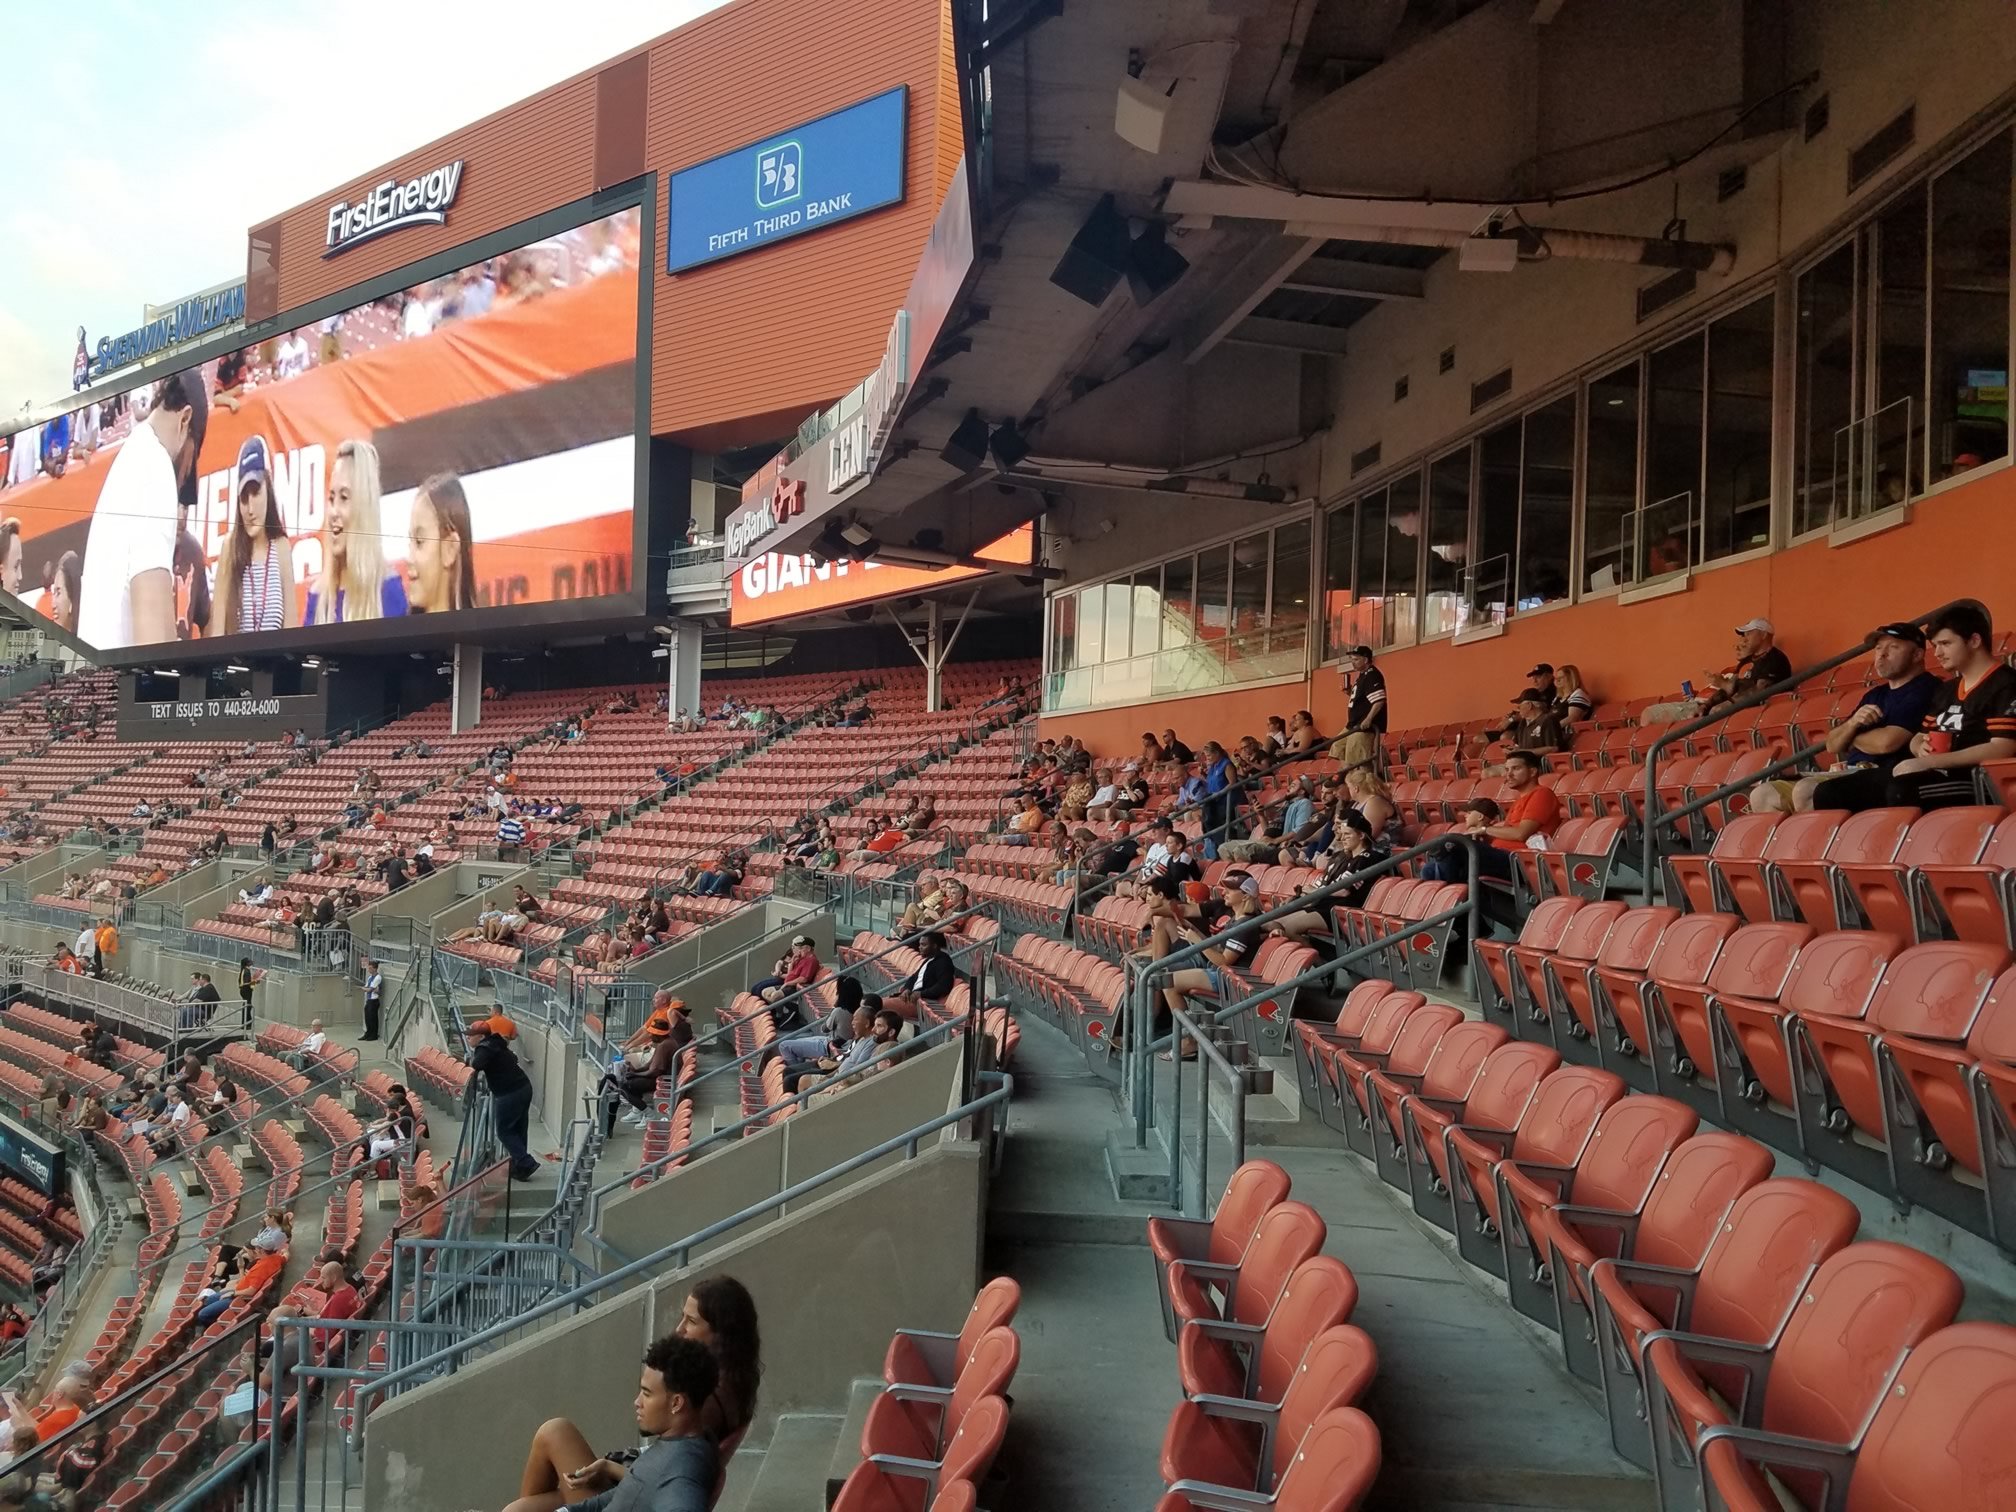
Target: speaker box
[1096,260]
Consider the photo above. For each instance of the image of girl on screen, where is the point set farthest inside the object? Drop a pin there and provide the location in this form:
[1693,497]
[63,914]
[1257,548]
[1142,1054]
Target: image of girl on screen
[440,561]
[255,572]
[353,583]
[192,588]
[10,555]
[63,583]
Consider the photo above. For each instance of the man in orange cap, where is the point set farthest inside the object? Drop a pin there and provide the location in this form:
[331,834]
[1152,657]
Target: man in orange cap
[510,1088]
[636,1080]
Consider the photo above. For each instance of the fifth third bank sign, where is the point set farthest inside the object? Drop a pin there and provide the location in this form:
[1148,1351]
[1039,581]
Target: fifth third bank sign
[815,175]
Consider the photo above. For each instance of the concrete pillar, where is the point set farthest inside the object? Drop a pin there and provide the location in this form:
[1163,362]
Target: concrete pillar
[466,703]
[934,656]
[682,667]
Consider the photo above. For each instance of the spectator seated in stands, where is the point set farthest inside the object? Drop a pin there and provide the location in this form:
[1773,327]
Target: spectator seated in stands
[1572,701]
[65,959]
[275,1233]
[931,982]
[879,844]
[634,1080]
[340,1299]
[221,1109]
[526,904]
[1269,836]
[258,895]
[308,1052]
[1023,827]
[52,1098]
[1876,732]
[835,1032]
[721,880]
[946,898]
[1535,812]
[13,1323]
[68,1400]
[148,1102]
[257,1270]
[796,969]
[1303,742]
[164,1134]
[678,1465]
[390,1134]
[1759,664]
[1353,853]
[923,815]
[200,1003]
[1240,942]
[803,841]
[593,948]
[46,1269]
[1535,726]
[90,1115]
[1971,720]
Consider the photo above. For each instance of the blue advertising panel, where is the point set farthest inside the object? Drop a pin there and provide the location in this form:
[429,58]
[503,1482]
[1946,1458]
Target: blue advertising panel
[26,1154]
[809,177]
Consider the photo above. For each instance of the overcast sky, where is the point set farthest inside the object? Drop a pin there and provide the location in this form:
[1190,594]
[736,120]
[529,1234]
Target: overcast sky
[147,137]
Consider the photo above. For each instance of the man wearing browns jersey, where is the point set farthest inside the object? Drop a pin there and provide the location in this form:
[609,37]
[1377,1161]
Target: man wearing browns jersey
[1972,720]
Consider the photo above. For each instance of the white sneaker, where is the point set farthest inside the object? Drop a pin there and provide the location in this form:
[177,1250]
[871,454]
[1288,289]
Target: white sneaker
[633,1118]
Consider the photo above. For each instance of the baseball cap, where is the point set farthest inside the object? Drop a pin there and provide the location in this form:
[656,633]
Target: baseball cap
[254,461]
[496,1024]
[1364,651]
[1902,630]
[801,939]
[1526,694]
[1542,669]
[1759,623]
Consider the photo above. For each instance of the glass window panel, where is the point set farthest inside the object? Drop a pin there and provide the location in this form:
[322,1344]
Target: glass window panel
[1497,525]
[1970,311]
[1368,618]
[1897,416]
[1214,576]
[1547,504]
[1403,562]
[1288,610]
[1249,599]
[1147,611]
[1340,541]
[1611,468]
[1824,379]
[1179,602]
[1448,543]
[1119,619]
[1063,632]
[1672,457]
[1092,625]
[1737,496]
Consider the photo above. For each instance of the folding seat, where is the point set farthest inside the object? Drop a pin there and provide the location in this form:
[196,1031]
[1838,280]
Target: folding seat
[1332,1470]
[918,1422]
[919,1358]
[1670,1227]
[1237,1361]
[1492,967]
[1581,867]
[1685,954]
[1938,1437]
[1352,926]
[1250,1194]
[1749,1280]
[1809,887]
[1705,883]
[1755,962]
[1345,1031]
[898,1483]
[1246,1292]
[1931,992]
[1573,986]
[1977,898]
[1614,1173]
[1553,1132]
[1498,1099]
[1889,893]
[1864,1310]
[1408,1036]
[1453,1063]
[1248,1447]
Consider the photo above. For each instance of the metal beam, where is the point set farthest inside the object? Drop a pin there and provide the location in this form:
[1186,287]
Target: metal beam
[1244,202]
[1256,275]
[1289,336]
[1360,280]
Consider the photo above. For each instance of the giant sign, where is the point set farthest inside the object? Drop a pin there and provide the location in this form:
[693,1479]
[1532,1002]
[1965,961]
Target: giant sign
[811,176]
[189,321]
[779,586]
[393,206]
[269,718]
[36,1160]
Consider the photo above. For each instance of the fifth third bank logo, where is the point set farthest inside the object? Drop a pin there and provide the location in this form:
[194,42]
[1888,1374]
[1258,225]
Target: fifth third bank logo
[779,176]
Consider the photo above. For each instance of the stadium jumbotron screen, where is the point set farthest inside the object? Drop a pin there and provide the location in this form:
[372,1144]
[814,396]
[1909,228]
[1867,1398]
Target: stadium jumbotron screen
[465,445]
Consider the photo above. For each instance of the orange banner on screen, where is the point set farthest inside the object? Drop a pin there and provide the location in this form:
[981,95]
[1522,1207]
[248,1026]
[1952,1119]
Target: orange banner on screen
[774,587]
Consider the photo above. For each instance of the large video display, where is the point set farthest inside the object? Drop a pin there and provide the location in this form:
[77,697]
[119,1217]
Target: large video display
[462,447]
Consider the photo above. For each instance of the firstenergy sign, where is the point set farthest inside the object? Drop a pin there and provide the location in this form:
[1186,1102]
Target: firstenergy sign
[392,206]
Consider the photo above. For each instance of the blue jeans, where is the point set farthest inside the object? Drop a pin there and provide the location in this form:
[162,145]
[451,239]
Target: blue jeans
[212,1310]
[714,884]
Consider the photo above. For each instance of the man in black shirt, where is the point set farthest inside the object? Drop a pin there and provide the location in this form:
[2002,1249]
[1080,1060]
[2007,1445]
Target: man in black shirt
[491,1054]
[1118,856]
[1759,664]
[1535,726]
[1972,721]
[1175,750]
[1365,721]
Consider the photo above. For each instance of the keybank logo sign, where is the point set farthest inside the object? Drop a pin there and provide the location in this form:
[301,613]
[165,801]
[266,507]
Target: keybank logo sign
[392,206]
[780,175]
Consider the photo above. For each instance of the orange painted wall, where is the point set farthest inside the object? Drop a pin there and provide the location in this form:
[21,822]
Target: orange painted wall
[1958,544]
[745,348]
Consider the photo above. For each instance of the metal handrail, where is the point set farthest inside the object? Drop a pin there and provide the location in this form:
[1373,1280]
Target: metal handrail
[675,1255]
[1214,1062]
[968,1022]
[1722,711]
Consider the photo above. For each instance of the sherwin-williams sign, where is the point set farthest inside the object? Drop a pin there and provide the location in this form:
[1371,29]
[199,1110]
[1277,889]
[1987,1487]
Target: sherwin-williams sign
[811,176]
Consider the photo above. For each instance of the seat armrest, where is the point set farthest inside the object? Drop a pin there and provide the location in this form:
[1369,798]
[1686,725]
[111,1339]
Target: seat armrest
[1561,1176]
[1209,1498]
[1753,1360]
[1499,1138]
[907,1391]
[1223,1328]
[1611,1220]
[1667,1278]
[1783,1451]
[1240,1409]
[1189,1237]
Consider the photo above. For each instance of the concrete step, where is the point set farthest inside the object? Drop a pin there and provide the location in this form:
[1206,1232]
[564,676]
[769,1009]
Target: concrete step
[791,1477]
[847,1446]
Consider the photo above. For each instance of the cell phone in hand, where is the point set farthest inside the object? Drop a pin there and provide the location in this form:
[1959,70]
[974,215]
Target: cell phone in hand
[1687,689]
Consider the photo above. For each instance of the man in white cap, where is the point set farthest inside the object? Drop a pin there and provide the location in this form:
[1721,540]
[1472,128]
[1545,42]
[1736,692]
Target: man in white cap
[1759,664]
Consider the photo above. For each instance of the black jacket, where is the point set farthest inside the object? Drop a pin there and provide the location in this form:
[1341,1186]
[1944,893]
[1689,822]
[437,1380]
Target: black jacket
[940,977]
[493,1057]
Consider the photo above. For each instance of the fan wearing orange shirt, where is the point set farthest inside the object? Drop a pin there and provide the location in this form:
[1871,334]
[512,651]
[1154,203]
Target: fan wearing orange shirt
[69,1400]
[1534,811]
[250,1283]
